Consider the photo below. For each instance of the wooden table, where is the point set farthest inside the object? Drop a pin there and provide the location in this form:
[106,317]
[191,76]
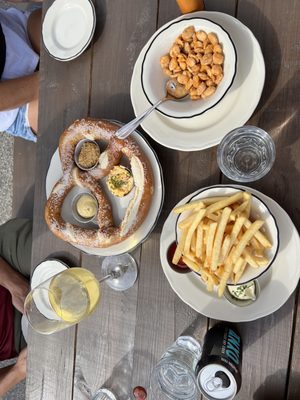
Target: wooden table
[129,331]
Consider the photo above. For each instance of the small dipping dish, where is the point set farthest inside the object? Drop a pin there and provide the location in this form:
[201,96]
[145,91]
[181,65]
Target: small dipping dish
[87,153]
[84,207]
[242,295]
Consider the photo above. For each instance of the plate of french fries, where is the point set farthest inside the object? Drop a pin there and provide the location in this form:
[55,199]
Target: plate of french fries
[275,251]
[226,235]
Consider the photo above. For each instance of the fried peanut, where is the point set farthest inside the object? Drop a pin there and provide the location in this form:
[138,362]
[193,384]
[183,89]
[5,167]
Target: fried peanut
[196,61]
[208,92]
[165,61]
[212,37]
[187,34]
[218,58]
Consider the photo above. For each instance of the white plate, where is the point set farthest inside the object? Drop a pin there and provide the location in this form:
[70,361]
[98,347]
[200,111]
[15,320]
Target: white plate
[259,210]
[119,205]
[68,28]
[155,88]
[46,270]
[277,284]
[232,111]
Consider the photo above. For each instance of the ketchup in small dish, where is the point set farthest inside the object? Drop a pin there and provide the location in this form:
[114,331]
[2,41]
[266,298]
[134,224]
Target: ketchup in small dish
[181,267]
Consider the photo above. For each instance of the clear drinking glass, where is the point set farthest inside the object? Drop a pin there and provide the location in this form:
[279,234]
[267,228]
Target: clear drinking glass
[70,296]
[246,154]
[174,376]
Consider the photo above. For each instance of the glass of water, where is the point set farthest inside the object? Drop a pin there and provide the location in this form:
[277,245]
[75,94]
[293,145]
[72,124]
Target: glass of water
[246,154]
[174,376]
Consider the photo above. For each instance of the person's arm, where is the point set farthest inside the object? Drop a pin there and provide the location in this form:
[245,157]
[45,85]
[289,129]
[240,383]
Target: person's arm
[16,92]
[15,283]
[12,375]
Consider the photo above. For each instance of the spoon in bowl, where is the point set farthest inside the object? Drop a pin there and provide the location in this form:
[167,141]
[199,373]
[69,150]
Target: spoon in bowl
[175,91]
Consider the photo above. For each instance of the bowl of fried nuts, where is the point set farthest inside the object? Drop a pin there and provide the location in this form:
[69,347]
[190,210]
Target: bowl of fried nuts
[200,55]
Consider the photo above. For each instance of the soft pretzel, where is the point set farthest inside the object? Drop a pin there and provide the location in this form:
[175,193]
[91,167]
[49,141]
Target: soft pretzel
[107,233]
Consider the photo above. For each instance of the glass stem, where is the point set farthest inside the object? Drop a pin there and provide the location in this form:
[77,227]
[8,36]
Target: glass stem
[105,278]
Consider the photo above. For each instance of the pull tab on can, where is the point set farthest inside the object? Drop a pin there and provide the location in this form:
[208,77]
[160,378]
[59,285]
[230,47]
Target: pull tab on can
[216,382]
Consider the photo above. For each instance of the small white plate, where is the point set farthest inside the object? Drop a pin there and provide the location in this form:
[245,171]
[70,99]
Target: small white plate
[68,28]
[232,111]
[276,285]
[119,205]
[160,45]
[46,270]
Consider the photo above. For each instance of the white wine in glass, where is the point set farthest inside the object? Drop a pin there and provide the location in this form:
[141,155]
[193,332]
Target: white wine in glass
[62,300]
[71,295]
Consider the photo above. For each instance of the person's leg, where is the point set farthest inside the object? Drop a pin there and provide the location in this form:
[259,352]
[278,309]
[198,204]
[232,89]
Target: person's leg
[33,108]
[34,29]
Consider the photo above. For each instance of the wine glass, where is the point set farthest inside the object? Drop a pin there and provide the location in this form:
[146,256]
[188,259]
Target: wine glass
[65,298]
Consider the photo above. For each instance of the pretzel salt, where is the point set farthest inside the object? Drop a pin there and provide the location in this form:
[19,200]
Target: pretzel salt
[107,233]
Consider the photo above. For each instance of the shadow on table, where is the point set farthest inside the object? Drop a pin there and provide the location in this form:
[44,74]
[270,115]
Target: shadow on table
[268,39]
[270,388]
[101,12]
[284,126]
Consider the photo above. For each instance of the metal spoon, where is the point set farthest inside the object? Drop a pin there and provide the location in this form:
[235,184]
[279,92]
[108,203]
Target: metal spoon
[175,91]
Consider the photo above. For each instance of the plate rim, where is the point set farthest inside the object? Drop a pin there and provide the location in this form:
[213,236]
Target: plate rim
[258,314]
[84,47]
[164,28]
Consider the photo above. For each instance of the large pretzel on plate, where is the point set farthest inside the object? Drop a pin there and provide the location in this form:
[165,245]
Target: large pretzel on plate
[107,233]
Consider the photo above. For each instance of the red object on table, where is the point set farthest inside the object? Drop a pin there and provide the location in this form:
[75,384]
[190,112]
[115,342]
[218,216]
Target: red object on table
[139,393]
[7,347]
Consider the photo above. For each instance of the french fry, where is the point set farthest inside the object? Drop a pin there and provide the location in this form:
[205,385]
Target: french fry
[210,200]
[248,196]
[225,249]
[219,237]
[249,258]
[213,217]
[219,271]
[210,241]
[237,266]
[199,240]
[191,264]
[261,261]
[223,203]
[259,236]
[251,231]
[194,205]
[179,248]
[239,274]
[193,242]
[185,223]
[238,210]
[192,228]
[191,257]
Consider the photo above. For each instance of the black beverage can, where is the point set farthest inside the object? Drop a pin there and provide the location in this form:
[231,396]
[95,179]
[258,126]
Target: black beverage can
[219,369]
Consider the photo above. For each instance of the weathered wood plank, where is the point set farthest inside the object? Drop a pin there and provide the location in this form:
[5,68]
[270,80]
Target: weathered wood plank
[126,29]
[266,360]
[293,386]
[24,178]
[64,96]
[120,41]
[228,6]
[105,340]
